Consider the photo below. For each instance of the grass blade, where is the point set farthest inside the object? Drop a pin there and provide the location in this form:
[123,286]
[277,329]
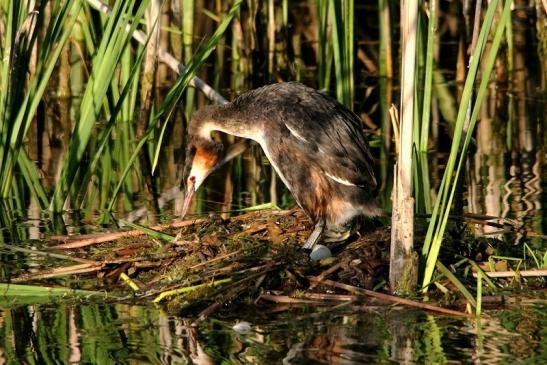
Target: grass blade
[437,225]
[113,43]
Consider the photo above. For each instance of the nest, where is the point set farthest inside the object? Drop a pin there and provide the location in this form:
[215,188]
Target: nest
[208,264]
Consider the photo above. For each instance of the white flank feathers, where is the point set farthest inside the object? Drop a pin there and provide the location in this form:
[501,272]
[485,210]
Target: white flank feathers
[339,180]
[295,133]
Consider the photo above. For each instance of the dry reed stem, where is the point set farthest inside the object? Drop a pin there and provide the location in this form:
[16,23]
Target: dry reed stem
[112,236]
[392,298]
[319,278]
[402,272]
[512,273]
[62,271]
[285,299]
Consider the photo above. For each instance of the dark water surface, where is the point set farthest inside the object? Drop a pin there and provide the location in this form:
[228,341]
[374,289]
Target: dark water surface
[87,333]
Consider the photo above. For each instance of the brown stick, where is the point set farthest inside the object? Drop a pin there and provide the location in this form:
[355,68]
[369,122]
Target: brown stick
[391,298]
[308,298]
[331,297]
[68,270]
[208,311]
[218,258]
[511,273]
[285,299]
[111,236]
[319,278]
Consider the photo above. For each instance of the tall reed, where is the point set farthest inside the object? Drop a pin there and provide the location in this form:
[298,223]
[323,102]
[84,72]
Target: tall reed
[402,272]
[341,15]
[461,141]
[188,13]
[169,104]
[385,85]
[422,144]
[105,62]
[19,102]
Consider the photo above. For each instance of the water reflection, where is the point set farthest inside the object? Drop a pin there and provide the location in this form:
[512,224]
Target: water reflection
[129,334]
[505,182]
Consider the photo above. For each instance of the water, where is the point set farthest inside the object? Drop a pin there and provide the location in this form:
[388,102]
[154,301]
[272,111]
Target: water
[88,333]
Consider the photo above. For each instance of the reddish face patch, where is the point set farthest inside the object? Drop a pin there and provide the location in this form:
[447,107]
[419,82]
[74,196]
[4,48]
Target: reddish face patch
[201,160]
[203,163]
[205,158]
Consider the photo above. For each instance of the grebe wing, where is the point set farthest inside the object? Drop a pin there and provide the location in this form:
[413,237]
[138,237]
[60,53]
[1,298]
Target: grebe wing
[331,133]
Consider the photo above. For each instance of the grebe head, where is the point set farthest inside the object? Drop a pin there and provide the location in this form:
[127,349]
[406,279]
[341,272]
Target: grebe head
[202,157]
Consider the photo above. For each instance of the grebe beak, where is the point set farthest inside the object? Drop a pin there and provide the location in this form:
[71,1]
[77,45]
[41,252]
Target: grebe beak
[188,195]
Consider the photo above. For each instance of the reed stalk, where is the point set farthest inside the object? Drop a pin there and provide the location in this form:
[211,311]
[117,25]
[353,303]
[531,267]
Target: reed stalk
[147,92]
[324,53]
[422,145]
[402,272]
[385,82]
[341,16]
[19,96]
[457,156]
[165,111]
[105,62]
[188,13]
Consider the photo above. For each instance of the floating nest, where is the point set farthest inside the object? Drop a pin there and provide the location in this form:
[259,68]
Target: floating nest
[203,265]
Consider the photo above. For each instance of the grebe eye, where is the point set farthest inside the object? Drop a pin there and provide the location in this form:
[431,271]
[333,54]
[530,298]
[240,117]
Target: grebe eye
[192,178]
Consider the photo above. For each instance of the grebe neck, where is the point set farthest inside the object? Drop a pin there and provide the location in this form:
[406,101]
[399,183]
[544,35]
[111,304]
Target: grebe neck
[222,118]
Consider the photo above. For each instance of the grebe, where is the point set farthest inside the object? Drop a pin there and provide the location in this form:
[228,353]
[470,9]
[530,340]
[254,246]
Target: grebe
[314,143]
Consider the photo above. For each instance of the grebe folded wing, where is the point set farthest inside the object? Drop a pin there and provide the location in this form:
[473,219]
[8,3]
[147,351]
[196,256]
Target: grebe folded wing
[332,133]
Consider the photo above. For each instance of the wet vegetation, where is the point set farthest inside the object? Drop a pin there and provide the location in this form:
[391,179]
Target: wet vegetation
[94,101]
